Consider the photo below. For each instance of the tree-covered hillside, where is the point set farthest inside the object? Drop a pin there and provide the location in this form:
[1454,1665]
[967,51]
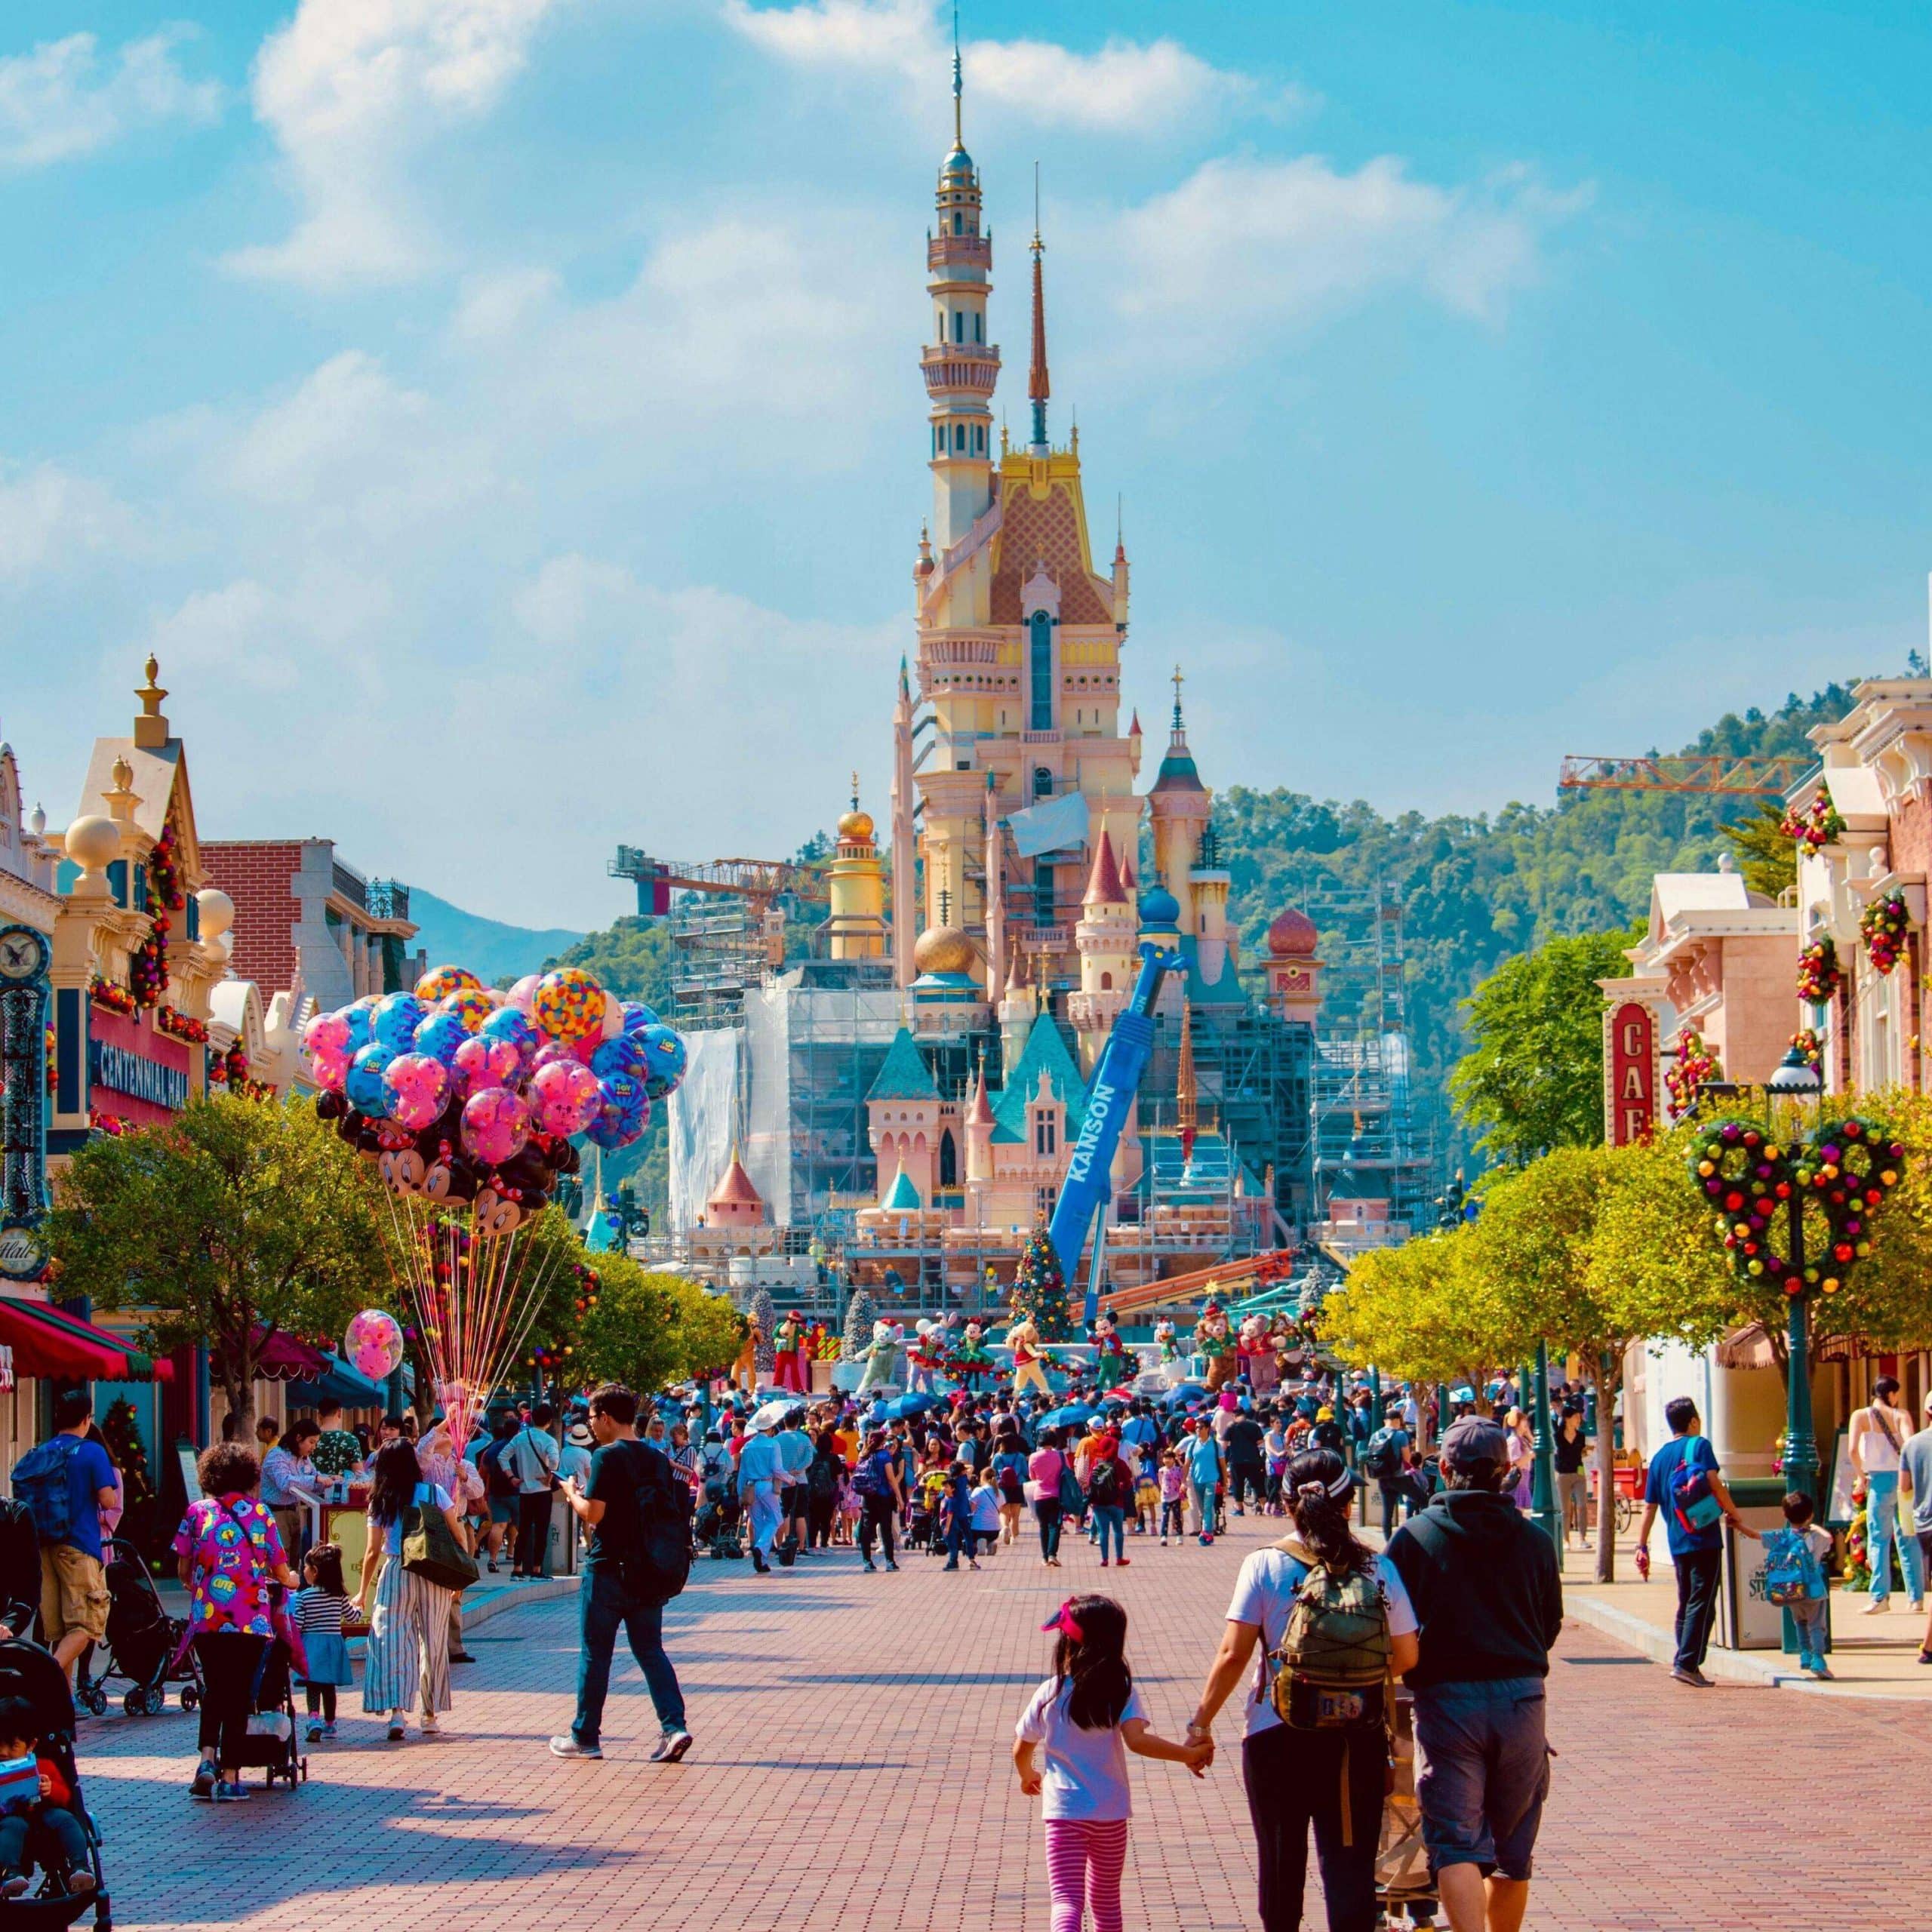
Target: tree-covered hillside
[1474,891]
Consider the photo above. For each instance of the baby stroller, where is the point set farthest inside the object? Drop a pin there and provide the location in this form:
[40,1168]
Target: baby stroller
[921,1524]
[716,1525]
[273,1745]
[146,1648]
[27,1671]
[1403,1886]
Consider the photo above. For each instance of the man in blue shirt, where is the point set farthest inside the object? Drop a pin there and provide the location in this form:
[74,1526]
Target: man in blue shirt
[73,1585]
[1697,1552]
[761,1479]
[794,1450]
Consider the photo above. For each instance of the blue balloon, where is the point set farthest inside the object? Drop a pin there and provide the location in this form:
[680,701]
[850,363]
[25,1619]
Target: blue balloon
[612,1127]
[364,1089]
[439,1036]
[394,1023]
[627,1058]
[637,1016]
[507,1024]
[357,1017]
[622,1092]
[666,1062]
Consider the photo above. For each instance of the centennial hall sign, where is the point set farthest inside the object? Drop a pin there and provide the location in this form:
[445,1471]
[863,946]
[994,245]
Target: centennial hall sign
[134,1072]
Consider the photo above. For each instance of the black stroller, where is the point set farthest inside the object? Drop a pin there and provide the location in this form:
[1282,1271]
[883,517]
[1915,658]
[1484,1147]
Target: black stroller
[716,1526]
[27,1671]
[273,1743]
[146,1648]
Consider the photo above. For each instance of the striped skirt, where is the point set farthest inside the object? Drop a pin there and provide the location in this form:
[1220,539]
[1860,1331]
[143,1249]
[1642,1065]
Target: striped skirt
[409,1645]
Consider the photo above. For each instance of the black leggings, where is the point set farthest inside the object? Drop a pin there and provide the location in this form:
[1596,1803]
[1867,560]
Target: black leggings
[1294,1778]
[878,1520]
[231,1667]
[1246,1479]
[1049,1515]
[322,1698]
[819,1514]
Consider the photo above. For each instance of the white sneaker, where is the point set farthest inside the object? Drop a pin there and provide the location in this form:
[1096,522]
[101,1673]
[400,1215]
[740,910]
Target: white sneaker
[1878,1607]
[430,1726]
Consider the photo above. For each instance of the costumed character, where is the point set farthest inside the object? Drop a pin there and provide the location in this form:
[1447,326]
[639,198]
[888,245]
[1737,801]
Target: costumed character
[1166,1341]
[1110,1360]
[926,1358]
[879,1358]
[1214,1342]
[973,1358]
[789,1340]
[1257,1353]
[744,1370]
[1029,1369]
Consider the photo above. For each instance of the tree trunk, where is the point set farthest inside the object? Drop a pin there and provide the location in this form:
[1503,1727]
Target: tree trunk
[232,1360]
[1608,1377]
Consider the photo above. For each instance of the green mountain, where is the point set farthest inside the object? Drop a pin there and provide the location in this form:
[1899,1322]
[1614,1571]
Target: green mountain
[1470,891]
[491,949]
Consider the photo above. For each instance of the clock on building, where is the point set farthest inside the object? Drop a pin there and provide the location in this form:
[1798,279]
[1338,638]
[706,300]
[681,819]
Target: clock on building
[22,953]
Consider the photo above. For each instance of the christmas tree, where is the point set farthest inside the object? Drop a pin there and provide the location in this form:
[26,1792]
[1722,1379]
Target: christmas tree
[129,1454]
[861,1312]
[765,1358]
[1039,1288]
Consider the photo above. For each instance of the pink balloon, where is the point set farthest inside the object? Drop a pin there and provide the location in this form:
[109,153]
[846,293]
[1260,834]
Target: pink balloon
[613,1017]
[564,1095]
[330,1070]
[523,993]
[482,1064]
[419,1088]
[496,1126]
[327,1033]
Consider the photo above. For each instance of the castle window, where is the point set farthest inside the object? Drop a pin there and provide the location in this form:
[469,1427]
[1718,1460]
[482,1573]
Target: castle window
[959,325]
[1043,782]
[979,329]
[1106,983]
[959,436]
[949,1161]
[1040,664]
[1046,1134]
[1043,893]
[958,224]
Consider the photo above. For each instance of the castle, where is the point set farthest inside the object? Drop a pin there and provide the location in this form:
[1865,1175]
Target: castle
[910,1093]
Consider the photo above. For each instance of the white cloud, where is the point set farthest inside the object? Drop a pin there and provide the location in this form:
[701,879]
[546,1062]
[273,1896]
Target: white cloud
[352,91]
[1127,86]
[50,517]
[1244,244]
[63,99]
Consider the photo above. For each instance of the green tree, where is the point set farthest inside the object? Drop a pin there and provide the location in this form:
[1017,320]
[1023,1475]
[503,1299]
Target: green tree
[236,1223]
[648,1331]
[1421,1312]
[1533,1078]
[1766,854]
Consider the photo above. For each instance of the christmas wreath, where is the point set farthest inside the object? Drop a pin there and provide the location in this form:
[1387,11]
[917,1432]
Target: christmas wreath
[1883,925]
[1695,1063]
[1814,825]
[112,998]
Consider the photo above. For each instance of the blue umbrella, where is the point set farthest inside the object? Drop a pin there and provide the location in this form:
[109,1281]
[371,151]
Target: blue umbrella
[1065,1417]
[1186,1392]
[914,1404]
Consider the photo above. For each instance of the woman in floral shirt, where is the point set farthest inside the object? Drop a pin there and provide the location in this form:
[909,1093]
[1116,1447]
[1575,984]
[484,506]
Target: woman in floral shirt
[228,1553]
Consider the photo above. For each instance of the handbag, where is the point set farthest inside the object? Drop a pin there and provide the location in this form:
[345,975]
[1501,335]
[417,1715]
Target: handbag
[430,1549]
[1072,1497]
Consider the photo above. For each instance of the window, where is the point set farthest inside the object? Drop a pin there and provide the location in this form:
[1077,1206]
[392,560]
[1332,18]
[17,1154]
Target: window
[959,436]
[1040,659]
[979,329]
[958,224]
[1043,893]
[1043,782]
[1044,1201]
[1106,983]
[949,1161]
[959,325]
[1046,1134]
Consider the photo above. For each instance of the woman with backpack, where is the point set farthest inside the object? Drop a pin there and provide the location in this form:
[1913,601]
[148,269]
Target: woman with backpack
[825,1483]
[1109,1484]
[1010,1479]
[1046,1471]
[1337,1628]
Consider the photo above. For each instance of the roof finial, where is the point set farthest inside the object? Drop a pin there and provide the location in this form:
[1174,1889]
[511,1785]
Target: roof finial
[1177,684]
[958,135]
[855,791]
[1037,387]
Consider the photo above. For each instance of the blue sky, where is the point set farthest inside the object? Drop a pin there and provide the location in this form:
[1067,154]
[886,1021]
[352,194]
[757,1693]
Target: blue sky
[502,415]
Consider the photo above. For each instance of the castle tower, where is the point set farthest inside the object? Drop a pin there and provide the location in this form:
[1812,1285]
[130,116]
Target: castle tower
[1016,1009]
[960,366]
[995,892]
[906,925]
[1210,881]
[978,1129]
[855,928]
[1106,939]
[1294,974]
[1181,806]
[735,1201]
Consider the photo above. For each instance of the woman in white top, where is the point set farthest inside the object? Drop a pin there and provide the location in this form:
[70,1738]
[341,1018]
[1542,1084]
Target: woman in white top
[1878,1435]
[409,1629]
[1332,1779]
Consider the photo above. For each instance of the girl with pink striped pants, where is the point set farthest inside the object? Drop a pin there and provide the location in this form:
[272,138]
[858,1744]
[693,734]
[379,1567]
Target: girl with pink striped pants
[1086,1717]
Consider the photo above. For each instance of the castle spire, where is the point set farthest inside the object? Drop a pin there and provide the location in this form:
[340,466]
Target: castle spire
[958,125]
[1039,388]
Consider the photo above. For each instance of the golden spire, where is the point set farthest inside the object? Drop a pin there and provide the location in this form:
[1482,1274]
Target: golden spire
[1039,388]
[1186,1093]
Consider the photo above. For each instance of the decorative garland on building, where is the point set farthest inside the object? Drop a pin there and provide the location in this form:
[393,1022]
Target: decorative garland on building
[1883,925]
[112,998]
[147,970]
[1816,825]
[114,1125]
[1695,1063]
[1819,975]
[179,1026]
[50,1053]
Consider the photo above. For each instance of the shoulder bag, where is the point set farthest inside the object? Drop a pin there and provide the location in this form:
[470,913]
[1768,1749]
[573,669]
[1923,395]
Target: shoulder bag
[430,1549]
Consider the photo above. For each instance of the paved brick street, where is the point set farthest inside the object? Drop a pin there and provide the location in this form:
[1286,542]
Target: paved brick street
[851,1771]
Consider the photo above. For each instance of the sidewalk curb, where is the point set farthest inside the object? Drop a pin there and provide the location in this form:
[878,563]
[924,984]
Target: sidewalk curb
[1732,1666]
[502,1598]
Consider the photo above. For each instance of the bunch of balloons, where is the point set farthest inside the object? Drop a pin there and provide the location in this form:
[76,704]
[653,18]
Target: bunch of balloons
[467,1094]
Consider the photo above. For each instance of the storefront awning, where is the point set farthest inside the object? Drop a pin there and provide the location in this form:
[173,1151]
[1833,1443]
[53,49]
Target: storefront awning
[338,1382]
[46,1342]
[284,1359]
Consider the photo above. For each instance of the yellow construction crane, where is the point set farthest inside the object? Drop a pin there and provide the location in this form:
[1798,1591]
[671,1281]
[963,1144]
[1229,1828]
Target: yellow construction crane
[1736,777]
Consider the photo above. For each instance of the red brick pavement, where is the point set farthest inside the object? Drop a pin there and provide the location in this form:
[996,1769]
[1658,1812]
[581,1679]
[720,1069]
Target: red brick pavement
[851,1770]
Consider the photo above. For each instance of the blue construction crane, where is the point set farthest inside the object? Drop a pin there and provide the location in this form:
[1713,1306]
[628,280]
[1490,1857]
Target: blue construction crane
[1109,1094]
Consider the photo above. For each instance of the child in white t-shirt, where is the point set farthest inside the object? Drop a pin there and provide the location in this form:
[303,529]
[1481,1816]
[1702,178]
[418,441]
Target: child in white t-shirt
[985,1514]
[1087,1716]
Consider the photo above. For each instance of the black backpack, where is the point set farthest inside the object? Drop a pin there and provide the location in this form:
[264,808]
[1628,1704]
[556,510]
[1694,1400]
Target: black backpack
[1383,1457]
[1103,1484]
[659,1565]
[822,1480]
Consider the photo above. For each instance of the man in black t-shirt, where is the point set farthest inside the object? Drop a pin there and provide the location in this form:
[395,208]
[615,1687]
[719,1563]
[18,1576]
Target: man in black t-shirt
[1247,1469]
[622,1470]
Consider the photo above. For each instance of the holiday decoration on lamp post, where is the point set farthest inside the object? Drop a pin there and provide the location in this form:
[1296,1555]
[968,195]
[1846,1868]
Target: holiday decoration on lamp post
[1797,1215]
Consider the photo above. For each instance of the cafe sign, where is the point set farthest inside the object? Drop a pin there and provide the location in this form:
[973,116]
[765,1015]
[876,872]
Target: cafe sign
[134,1072]
[1631,1072]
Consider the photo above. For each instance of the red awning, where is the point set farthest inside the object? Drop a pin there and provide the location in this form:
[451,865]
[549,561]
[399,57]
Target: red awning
[284,1359]
[47,1342]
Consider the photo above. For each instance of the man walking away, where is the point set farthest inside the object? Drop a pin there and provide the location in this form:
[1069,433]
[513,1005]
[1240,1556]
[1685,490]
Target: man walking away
[66,1482]
[1915,1458]
[1877,1439]
[1485,1585]
[1383,1460]
[636,1509]
[794,1449]
[531,1459]
[1684,1484]
[760,1478]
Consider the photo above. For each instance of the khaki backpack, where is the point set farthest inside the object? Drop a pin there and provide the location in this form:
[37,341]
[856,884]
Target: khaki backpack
[1332,1668]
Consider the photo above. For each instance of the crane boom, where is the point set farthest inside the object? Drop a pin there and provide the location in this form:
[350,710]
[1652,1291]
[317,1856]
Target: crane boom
[1738,777]
[1109,1094]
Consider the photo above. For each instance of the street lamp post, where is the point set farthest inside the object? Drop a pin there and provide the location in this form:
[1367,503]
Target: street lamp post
[1542,1478]
[1796,1079]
